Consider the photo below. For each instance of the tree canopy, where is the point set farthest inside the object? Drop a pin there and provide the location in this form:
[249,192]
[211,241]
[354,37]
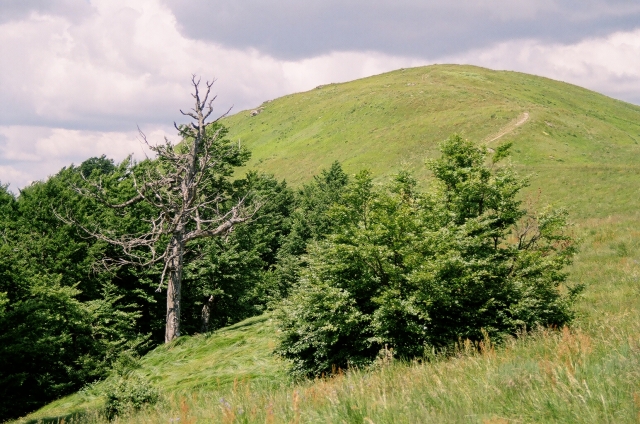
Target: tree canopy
[415,271]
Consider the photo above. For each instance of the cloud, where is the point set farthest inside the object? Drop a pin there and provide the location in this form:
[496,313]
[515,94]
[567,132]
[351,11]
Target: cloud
[29,153]
[291,29]
[610,65]
[71,90]
[120,66]
[15,10]
[125,65]
[112,69]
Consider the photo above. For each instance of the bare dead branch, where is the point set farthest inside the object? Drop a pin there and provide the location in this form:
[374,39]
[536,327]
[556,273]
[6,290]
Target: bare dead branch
[175,188]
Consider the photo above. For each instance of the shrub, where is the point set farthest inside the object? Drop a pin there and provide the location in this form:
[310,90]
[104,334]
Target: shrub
[412,270]
[128,392]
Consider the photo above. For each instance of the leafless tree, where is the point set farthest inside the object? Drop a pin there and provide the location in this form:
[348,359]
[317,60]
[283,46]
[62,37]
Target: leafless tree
[178,188]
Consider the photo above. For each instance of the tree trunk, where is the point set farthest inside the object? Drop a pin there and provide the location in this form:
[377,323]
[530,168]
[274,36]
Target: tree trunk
[174,290]
[206,314]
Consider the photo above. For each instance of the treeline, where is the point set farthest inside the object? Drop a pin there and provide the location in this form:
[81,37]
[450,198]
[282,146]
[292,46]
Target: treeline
[351,267]
[67,313]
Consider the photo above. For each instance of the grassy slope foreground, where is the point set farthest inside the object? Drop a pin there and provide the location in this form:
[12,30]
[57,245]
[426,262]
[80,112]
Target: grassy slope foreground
[582,152]
[215,362]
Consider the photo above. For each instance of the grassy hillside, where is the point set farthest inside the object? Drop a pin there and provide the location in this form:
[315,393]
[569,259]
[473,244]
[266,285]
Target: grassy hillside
[234,355]
[396,119]
[582,151]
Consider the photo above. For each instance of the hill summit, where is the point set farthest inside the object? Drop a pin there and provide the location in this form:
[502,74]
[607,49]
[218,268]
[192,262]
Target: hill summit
[396,120]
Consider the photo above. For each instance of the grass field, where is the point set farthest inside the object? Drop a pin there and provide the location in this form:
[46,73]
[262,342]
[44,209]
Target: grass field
[581,151]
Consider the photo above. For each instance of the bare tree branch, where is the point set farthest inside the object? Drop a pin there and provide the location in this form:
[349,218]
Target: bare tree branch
[176,186]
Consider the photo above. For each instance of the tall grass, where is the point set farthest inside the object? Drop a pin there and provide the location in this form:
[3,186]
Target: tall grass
[589,373]
[547,376]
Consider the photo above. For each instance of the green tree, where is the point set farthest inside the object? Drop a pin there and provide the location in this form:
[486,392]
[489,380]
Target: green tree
[67,317]
[415,270]
[63,325]
[309,221]
[230,279]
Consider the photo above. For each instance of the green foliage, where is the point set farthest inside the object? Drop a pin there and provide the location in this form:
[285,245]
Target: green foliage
[68,317]
[236,270]
[502,151]
[415,271]
[125,391]
[308,221]
[323,328]
[65,320]
[53,343]
[128,393]
[229,274]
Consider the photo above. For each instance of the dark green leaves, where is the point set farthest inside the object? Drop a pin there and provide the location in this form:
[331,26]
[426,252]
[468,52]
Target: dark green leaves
[417,271]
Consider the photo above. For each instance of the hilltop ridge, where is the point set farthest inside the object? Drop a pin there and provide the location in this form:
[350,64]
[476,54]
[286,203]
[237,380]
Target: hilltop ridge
[395,120]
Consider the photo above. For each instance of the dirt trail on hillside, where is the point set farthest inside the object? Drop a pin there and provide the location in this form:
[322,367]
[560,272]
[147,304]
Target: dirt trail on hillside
[510,127]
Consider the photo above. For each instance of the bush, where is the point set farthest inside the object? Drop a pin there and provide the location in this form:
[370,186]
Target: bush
[127,393]
[412,270]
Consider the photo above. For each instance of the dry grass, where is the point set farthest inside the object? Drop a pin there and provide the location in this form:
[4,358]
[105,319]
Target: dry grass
[545,376]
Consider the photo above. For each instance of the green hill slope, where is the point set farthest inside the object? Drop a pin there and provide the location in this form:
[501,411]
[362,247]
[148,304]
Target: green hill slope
[395,120]
[581,150]
[239,353]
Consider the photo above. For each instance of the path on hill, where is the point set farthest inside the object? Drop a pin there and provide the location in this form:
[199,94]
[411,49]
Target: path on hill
[510,127]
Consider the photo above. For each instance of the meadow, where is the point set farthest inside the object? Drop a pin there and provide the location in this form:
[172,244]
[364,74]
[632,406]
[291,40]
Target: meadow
[581,151]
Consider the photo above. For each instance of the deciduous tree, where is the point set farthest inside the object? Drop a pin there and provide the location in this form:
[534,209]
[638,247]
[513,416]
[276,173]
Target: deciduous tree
[410,270]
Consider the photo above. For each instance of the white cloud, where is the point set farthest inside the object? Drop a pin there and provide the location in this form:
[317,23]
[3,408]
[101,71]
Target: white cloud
[71,90]
[610,65]
[11,173]
[128,63]
[32,153]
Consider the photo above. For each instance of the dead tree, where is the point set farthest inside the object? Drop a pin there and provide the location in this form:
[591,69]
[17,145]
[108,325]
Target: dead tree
[178,187]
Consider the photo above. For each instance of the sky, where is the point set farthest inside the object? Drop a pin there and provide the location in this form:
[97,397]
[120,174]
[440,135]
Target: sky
[78,77]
